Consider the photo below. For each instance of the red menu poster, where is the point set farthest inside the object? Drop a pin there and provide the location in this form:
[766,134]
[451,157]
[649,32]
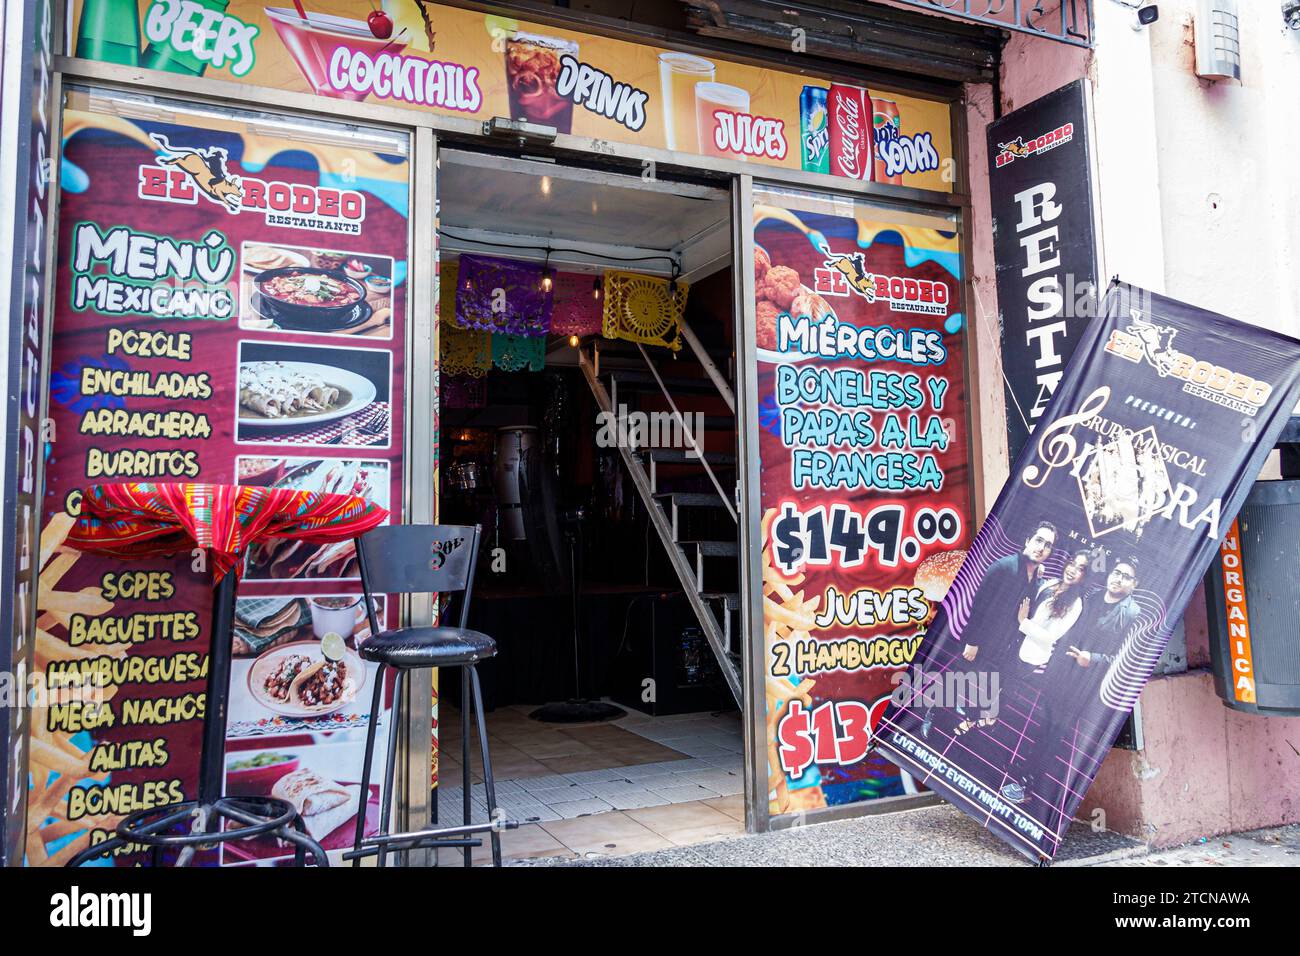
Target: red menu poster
[865,476]
[230,307]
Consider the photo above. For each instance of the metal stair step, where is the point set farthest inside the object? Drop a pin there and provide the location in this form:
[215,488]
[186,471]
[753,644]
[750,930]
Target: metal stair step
[730,598]
[644,381]
[711,422]
[691,499]
[713,549]
[672,456]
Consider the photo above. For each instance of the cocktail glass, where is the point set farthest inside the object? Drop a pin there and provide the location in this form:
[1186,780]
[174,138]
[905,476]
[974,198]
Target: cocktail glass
[312,42]
[532,69]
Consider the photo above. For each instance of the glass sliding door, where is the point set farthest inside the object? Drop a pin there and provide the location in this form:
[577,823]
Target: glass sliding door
[857,485]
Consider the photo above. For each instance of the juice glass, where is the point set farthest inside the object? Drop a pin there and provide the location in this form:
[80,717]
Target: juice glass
[710,98]
[678,74]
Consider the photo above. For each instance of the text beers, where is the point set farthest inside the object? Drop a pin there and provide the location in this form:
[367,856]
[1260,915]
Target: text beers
[849,110]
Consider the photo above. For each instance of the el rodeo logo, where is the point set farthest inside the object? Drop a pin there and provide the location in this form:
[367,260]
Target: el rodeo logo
[184,173]
[1019,149]
[1154,344]
[843,275]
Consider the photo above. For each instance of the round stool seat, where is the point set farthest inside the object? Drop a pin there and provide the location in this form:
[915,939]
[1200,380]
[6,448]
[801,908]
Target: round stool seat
[428,647]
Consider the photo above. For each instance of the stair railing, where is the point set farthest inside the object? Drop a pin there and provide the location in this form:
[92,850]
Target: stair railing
[686,431]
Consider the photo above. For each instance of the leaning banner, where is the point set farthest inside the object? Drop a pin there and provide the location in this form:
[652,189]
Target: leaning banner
[1090,555]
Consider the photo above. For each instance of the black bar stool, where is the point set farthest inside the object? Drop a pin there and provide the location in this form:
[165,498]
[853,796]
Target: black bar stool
[439,560]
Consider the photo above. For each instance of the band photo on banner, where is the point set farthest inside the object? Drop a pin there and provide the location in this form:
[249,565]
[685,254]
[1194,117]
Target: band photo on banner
[1064,605]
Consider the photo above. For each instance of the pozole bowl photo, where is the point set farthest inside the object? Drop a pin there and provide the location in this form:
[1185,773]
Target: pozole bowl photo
[311,300]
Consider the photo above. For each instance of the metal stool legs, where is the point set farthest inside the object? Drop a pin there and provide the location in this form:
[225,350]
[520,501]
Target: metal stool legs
[389,769]
[467,777]
[492,809]
[376,705]
[471,699]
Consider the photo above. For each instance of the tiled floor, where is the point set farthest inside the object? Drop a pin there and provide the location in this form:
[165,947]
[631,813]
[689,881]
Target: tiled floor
[581,790]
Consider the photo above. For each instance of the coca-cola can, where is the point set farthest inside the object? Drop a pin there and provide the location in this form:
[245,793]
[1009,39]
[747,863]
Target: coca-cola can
[850,122]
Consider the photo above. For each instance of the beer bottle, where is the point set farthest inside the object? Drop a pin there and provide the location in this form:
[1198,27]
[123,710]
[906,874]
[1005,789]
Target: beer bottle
[163,56]
[109,32]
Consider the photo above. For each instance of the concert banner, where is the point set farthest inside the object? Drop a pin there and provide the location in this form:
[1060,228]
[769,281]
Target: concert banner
[1044,247]
[865,483]
[1061,610]
[230,306]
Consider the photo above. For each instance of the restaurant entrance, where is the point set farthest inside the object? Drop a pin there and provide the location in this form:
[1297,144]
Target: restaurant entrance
[725,571]
[587,422]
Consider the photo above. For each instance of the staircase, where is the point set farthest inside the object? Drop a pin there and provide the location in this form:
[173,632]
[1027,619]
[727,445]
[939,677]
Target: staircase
[690,492]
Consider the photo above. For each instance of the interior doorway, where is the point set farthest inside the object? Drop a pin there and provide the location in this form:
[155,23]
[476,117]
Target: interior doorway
[603,471]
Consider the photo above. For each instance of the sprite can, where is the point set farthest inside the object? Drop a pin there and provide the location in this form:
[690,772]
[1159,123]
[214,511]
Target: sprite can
[814,130]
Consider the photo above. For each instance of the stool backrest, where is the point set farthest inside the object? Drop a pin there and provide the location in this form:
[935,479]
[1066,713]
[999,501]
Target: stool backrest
[419,559]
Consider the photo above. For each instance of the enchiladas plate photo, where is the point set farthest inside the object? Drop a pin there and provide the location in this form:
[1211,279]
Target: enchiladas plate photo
[294,394]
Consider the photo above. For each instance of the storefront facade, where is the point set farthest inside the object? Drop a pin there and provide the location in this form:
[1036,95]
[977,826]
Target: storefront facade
[371,184]
[854,192]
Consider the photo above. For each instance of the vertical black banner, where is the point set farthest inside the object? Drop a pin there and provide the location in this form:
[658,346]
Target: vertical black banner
[1040,182]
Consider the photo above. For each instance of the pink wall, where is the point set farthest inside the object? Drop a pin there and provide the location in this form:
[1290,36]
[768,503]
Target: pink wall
[1205,769]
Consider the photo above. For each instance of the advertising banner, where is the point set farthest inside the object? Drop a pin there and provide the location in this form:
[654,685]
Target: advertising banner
[230,307]
[26,121]
[420,55]
[865,475]
[1090,555]
[1044,247]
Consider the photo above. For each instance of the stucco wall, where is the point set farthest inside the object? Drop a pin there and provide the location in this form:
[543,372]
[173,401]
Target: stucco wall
[1229,159]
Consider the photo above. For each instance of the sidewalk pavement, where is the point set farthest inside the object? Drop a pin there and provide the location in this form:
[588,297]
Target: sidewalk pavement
[942,836]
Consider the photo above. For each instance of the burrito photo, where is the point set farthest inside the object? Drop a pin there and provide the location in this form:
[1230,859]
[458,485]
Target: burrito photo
[323,804]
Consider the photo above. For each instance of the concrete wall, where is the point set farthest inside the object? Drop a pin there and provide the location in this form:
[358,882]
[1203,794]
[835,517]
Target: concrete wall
[1199,199]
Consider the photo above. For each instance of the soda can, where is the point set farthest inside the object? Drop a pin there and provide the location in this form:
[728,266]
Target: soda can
[887,124]
[847,109]
[814,130]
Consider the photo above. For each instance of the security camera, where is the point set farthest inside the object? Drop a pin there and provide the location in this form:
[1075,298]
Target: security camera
[1145,14]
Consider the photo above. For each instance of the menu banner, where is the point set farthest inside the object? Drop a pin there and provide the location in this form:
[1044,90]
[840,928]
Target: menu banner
[1064,605]
[1044,247]
[422,55]
[865,484]
[230,307]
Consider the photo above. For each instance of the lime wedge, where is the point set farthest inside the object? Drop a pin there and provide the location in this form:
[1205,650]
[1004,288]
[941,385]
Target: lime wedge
[500,26]
[332,646]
